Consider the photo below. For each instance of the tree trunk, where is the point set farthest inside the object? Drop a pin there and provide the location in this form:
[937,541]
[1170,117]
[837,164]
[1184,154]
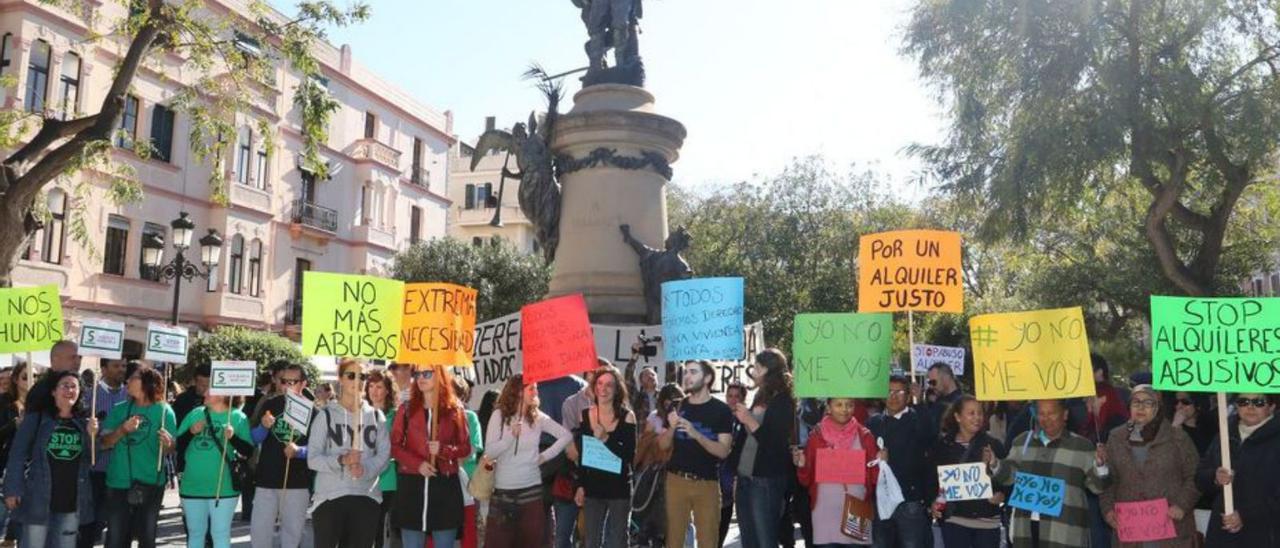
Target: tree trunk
[15,234]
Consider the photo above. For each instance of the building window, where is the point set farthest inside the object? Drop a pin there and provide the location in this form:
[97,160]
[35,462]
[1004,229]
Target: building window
[117,245]
[38,76]
[162,133]
[370,125]
[486,192]
[235,264]
[244,147]
[211,285]
[415,224]
[128,131]
[308,187]
[1275,285]
[1257,287]
[70,85]
[260,172]
[470,197]
[145,271]
[300,267]
[55,230]
[477,241]
[255,268]
[6,53]
[417,175]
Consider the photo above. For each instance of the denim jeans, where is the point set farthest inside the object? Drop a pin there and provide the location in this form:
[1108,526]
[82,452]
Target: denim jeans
[60,531]
[760,502]
[606,522]
[417,539]
[212,516]
[566,515]
[127,522]
[91,533]
[957,536]
[908,527]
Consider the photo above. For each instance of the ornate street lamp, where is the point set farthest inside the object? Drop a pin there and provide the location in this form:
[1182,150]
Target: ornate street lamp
[180,268]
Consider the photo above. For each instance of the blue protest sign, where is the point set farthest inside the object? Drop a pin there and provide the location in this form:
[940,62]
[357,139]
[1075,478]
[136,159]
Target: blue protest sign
[702,319]
[596,455]
[1038,494]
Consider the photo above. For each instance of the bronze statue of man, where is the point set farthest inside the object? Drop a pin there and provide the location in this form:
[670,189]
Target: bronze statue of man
[612,24]
[658,266]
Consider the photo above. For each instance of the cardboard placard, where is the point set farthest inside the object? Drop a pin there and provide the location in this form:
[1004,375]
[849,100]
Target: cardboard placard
[702,319]
[350,316]
[842,355]
[32,318]
[557,339]
[1144,521]
[596,455]
[166,343]
[1040,494]
[965,481]
[917,270]
[841,466]
[438,324]
[102,338]
[927,354]
[1031,355]
[233,378]
[1215,344]
[297,411]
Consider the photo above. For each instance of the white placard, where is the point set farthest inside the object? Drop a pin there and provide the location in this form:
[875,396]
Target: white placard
[233,378]
[166,343]
[968,481]
[297,411]
[102,338]
[926,355]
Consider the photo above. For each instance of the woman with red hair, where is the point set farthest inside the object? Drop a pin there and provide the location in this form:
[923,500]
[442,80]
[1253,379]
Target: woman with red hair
[428,441]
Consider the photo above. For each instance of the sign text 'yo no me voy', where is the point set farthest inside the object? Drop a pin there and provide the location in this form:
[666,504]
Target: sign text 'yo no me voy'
[1215,345]
[842,355]
[702,319]
[351,316]
[916,270]
[1035,493]
[1144,521]
[1031,355]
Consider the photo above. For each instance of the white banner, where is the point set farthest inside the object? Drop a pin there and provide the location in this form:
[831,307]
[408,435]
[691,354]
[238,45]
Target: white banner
[926,355]
[102,338]
[166,343]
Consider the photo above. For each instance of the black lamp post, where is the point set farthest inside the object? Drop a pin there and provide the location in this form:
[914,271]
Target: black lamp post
[180,268]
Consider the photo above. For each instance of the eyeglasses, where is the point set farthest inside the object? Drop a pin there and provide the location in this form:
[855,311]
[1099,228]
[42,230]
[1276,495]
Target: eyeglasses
[290,382]
[68,386]
[1184,401]
[424,374]
[1149,404]
[893,393]
[1256,402]
[352,375]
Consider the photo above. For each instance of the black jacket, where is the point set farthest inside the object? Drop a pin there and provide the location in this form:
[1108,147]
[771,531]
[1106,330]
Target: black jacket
[947,451]
[773,439]
[909,441]
[1256,463]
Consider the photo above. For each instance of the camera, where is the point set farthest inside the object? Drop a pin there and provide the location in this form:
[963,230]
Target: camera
[647,347]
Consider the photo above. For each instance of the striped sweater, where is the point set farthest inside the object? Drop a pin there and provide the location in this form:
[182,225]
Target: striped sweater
[1070,458]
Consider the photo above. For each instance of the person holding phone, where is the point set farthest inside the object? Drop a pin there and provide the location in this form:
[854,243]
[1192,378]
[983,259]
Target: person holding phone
[699,438]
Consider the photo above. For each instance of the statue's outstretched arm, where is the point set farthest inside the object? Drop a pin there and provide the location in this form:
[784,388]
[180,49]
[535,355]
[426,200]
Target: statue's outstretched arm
[635,244]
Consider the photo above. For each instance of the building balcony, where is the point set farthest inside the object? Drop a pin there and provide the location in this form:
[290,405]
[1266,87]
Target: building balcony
[234,306]
[315,216]
[372,149]
[420,176]
[375,236]
[483,215]
[250,197]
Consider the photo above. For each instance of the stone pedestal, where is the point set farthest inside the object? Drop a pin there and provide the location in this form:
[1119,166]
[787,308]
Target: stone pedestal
[614,153]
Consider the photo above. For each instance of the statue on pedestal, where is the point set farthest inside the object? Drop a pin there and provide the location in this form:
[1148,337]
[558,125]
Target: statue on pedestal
[658,266]
[612,24]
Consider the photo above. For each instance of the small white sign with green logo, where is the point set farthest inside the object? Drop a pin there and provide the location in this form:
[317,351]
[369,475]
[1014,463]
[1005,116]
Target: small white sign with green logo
[297,411]
[232,378]
[103,338]
[166,343]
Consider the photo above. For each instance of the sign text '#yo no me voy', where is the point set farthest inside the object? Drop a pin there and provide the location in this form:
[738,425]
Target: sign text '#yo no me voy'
[1215,345]
[1031,355]
[917,270]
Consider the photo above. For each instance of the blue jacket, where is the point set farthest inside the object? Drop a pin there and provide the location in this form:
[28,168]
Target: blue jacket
[27,472]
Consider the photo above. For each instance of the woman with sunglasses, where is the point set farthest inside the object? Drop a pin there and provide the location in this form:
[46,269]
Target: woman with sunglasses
[1150,459]
[347,500]
[379,391]
[210,436]
[137,430]
[516,515]
[429,440]
[47,479]
[1255,451]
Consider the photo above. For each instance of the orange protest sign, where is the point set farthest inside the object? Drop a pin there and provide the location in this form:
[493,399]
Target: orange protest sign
[916,270]
[557,338]
[438,324]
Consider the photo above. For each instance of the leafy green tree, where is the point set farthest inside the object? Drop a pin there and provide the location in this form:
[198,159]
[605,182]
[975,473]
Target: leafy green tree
[1056,105]
[220,76]
[238,343]
[505,278]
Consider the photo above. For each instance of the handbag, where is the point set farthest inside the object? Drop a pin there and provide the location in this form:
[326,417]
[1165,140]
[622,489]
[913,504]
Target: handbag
[237,465]
[139,493]
[482,484]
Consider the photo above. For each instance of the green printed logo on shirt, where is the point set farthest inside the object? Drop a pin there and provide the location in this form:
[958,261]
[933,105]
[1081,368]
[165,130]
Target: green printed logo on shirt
[66,443]
[285,433]
[145,432]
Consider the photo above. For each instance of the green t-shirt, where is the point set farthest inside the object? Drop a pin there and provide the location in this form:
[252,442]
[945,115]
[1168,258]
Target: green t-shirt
[136,456]
[387,481]
[204,454]
[477,443]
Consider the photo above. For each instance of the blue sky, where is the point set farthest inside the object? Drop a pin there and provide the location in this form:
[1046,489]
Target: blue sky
[756,82]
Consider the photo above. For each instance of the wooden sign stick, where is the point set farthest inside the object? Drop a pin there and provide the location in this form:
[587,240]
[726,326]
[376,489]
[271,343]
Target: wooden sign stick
[1224,441]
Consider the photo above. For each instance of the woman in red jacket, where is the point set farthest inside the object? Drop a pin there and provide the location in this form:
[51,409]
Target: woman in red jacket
[428,440]
[842,512]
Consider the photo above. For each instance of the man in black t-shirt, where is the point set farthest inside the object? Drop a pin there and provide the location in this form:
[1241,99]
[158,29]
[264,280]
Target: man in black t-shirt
[283,447]
[699,438]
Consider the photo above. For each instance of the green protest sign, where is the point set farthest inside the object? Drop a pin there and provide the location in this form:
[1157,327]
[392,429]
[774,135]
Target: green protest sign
[32,318]
[350,316]
[1215,344]
[842,355]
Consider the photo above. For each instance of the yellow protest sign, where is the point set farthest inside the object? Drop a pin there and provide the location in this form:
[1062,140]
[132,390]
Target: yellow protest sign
[916,270]
[350,316]
[32,318]
[1031,355]
[438,325]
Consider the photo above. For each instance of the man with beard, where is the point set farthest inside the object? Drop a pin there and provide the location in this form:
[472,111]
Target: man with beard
[700,438]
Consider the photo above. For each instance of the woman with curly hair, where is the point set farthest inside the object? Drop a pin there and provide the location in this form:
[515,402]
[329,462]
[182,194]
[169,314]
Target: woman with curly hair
[137,431]
[765,467]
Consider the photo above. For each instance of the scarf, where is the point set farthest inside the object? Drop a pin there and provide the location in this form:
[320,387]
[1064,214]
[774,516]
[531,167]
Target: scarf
[1245,431]
[1142,435]
[837,436]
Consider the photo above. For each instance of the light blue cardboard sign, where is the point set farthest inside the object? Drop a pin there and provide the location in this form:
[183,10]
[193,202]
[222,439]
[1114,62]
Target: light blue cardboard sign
[1038,494]
[596,455]
[702,319]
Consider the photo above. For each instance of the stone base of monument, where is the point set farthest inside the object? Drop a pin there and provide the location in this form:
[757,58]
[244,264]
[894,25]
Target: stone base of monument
[614,154]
